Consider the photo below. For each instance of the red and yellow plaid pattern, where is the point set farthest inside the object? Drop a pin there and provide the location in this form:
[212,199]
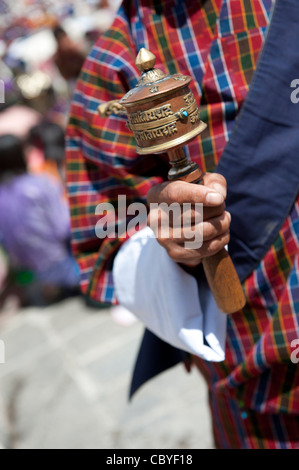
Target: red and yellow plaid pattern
[208,42]
[217,42]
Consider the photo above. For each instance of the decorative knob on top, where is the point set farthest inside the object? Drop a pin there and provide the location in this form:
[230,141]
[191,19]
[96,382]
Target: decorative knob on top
[145,60]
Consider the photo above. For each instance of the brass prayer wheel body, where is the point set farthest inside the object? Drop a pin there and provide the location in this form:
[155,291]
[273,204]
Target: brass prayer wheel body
[162,111]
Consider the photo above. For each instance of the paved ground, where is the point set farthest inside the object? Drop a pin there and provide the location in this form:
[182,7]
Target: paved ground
[65,381]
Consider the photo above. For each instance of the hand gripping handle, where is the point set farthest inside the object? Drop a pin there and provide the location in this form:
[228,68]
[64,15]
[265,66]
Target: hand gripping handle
[219,268]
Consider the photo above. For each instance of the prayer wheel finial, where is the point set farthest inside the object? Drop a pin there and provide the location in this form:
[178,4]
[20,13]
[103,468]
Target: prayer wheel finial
[145,60]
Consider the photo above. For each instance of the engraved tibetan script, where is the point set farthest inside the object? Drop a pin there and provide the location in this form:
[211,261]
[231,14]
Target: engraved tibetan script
[192,108]
[195,116]
[152,115]
[164,131]
[189,99]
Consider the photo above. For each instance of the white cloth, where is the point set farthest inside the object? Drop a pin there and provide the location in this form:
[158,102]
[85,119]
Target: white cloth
[167,299]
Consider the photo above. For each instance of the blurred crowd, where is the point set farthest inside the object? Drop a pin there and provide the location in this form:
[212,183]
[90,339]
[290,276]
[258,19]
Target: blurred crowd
[43,45]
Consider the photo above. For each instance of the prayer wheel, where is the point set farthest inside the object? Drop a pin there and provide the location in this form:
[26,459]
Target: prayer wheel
[163,115]
[162,111]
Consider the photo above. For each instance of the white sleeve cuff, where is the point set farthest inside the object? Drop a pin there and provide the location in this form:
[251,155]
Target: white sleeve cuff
[167,299]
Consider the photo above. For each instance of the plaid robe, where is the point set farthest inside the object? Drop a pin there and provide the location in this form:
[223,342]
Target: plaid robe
[218,43]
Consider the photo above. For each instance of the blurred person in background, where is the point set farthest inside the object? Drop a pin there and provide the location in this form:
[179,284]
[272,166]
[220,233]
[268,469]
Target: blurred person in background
[24,116]
[34,229]
[3,269]
[69,57]
[47,150]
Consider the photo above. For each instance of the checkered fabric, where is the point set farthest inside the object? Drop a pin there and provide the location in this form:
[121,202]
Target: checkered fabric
[217,42]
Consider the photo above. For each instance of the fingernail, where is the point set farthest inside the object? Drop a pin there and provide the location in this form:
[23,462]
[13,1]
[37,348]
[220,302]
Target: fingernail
[229,215]
[214,198]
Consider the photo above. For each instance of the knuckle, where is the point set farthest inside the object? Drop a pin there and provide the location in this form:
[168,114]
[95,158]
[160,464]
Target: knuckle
[207,230]
[217,182]
[215,228]
[226,238]
[226,223]
[211,212]
[217,178]
[173,252]
[220,179]
[155,193]
[213,246]
[173,191]
[163,242]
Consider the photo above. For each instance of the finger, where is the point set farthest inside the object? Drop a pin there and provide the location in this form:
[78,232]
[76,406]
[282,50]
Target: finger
[211,247]
[211,212]
[190,226]
[202,231]
[193,213]
[182,192]
[192,257]
[217,182]
[215,227]
[179,254]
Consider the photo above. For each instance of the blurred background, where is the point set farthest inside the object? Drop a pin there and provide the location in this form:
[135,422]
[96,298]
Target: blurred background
[43,45]
[65,374]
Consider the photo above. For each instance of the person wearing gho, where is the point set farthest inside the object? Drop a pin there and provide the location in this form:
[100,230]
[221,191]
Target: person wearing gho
[246,357]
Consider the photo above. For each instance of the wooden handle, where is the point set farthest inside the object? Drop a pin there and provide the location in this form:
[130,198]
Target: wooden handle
[219,269]
[224,282]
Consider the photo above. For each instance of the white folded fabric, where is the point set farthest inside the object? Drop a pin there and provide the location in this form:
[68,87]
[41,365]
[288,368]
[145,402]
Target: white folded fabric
[167,299]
